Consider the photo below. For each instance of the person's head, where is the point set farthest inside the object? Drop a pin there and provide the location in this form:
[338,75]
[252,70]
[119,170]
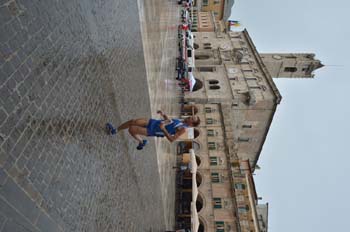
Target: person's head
[193,121]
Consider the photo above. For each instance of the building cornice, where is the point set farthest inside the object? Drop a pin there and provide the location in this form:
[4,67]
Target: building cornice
[263,68]
[272,85]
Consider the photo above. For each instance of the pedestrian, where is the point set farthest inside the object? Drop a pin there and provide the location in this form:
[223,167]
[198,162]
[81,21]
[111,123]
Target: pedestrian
[166,127]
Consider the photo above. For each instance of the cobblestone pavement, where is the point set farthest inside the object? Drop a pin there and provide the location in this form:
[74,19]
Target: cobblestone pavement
[67,67]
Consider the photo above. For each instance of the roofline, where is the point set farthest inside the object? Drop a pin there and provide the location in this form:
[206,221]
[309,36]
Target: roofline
[263,67]
[271,84]
[252,179]
[253,204]
[265,136]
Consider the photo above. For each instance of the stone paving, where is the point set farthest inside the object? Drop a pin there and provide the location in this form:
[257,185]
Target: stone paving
[67,67]
[164,92]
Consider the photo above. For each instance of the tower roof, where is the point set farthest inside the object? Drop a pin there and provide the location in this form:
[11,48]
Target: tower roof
[227,9]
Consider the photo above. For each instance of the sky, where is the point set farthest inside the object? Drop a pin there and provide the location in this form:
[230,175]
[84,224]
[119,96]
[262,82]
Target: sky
[305,160]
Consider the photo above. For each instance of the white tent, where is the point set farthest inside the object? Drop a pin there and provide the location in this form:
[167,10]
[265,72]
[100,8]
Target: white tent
[194,218]
[193,162]
[192,80]
[194,173]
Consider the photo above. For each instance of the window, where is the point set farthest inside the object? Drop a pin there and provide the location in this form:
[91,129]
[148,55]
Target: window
[205,2]
[290,69]
[213,161]
[247,126]
[239,186]
[216,13]
[208,110]
[243,209]
[243,62]
[202,57]
[210,133]
[207,45]
[254,87]
[212,145]
[209,121]
[215,178]
[220,226]
[217,203]
[235,164]
[243,139]
[251,78]
[214,87]
[216,2]
[206,69]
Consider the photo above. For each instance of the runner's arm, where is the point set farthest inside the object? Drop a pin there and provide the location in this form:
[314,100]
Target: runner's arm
[165,117]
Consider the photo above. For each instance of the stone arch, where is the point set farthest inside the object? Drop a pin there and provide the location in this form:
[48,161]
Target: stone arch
[213,82]
[199,179]
[202,225]
[202,57]
[196,132]
[198,160]
[214,87]
[199,203]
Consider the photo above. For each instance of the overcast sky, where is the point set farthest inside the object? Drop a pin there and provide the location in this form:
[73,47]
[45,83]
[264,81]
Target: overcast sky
[305,160]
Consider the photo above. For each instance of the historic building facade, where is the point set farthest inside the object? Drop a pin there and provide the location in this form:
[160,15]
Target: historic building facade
[285,65]
[236,106]
[220,8]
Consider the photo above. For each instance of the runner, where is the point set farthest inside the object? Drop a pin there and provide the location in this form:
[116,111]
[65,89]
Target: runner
[169,128]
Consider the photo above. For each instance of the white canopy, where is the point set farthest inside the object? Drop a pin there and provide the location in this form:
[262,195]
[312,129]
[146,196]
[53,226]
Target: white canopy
[194,179]
[194,217]
[192,80]
[193,162]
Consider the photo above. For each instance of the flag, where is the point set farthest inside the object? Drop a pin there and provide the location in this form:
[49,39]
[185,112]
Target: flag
[234,23]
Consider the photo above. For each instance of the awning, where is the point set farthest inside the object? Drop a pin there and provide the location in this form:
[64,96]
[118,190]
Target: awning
[194,175]
[192,80]
[194,188]
[193,162]
[194,217]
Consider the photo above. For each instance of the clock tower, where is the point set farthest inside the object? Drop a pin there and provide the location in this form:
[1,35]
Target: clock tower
[291,65]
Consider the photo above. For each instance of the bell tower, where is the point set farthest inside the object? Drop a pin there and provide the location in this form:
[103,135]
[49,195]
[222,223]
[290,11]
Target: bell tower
[291,65]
